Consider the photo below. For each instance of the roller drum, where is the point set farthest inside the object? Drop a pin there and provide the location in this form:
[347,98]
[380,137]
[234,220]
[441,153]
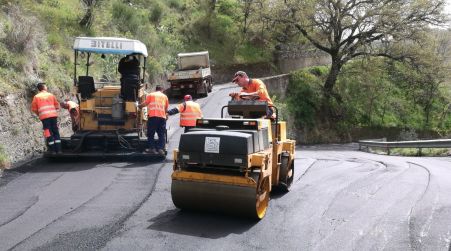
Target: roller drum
[223,198]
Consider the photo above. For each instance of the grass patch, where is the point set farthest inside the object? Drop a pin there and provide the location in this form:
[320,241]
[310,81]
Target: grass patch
[425,152]
[4,159]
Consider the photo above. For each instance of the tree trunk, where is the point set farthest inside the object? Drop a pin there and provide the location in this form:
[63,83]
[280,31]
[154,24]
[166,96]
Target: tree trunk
[332,78]
[86,21]
[328,90]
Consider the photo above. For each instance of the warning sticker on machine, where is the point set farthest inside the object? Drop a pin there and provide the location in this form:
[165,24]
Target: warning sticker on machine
[212,144]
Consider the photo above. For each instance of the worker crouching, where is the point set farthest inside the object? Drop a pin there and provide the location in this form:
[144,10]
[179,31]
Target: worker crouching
[74,111]
[46,106]
[189,112]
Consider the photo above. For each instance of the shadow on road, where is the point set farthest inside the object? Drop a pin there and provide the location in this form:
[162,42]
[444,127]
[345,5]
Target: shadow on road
[277,193]
[206,225]
[74,165]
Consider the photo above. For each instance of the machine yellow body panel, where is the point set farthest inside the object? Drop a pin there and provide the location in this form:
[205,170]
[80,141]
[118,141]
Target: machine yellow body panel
[214,178]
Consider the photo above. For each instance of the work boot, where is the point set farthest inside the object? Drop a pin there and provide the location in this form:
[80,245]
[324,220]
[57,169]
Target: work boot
[58,148]
[151,151]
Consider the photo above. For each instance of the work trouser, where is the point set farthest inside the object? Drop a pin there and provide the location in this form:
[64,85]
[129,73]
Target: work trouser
[51,134]
[74,117]
[158,125]
[187,128]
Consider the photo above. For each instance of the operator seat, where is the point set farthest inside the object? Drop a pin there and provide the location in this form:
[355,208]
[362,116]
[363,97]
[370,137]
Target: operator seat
[86,86]
[130,88]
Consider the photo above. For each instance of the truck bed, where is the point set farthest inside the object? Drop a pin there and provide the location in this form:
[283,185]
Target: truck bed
[190,74]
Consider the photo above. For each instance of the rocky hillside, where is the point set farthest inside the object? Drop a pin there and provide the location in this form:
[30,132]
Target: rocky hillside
[20,130]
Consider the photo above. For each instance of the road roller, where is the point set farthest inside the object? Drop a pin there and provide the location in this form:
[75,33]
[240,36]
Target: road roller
[230,164]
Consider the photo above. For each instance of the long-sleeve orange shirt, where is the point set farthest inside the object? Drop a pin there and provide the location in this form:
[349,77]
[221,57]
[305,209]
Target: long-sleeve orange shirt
[256,85]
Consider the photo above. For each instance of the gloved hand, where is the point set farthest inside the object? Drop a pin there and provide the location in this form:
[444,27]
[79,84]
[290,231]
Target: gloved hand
[137,104]
[235,95]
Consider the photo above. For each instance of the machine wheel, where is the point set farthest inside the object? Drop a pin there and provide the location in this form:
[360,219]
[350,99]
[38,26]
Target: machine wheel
[262,198]
[286,172]
[210,85]
[204,89]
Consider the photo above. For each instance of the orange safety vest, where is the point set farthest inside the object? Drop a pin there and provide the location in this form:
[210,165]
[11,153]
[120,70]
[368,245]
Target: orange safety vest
[256,85]
[45,105]
[157,104]
[189,113]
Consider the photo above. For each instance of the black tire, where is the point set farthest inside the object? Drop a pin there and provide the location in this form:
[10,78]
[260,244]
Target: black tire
[286,175]
[210,85]
[204,90]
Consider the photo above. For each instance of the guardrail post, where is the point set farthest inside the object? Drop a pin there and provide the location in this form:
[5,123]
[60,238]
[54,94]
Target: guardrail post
[388,150]
[419,151]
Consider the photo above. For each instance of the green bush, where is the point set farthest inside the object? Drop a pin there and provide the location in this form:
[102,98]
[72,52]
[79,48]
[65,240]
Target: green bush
[156,13]
[6,57]
[304,97]
[249,53]
[175,4]
[127,18]
[381,93]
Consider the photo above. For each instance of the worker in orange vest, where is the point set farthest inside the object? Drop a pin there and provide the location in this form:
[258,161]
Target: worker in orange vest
[253,87]
[157,104]
[46,106]
[74,111]
[189,112]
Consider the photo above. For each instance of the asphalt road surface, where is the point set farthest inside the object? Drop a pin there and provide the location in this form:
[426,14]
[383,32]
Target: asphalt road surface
[341,199]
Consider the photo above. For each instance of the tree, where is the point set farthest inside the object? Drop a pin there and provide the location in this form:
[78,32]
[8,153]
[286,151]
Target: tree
[428,73]
[347,29]
[249,7]
[88,18]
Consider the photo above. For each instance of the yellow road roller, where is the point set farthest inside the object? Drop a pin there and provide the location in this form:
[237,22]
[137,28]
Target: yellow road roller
[230,165]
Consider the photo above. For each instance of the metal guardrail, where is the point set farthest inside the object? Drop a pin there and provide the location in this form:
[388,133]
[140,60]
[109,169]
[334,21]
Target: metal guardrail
[381,143]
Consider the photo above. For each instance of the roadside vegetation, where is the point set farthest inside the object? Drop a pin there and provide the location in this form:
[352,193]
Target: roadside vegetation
[36,36]
[424,152]
[390,67]
[375,93]
[4,160]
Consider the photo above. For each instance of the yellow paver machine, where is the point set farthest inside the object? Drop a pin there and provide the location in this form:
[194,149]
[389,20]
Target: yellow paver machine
[230,165]
[109,123]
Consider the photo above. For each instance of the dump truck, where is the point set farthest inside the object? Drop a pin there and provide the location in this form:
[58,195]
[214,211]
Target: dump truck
[110,124]
[192,76]
[230,165]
